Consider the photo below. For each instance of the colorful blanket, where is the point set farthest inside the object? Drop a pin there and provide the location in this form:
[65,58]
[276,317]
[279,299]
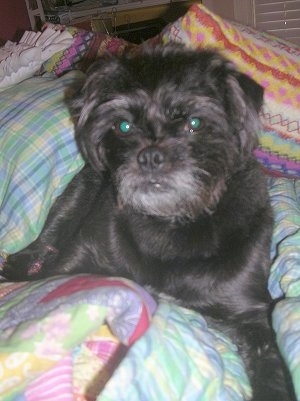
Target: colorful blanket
[285,273]
[269,60]
[38,155]
[65,336]
[62,336]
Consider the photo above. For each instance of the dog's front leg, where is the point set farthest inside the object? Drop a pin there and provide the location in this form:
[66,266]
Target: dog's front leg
[268,374]
[65,217]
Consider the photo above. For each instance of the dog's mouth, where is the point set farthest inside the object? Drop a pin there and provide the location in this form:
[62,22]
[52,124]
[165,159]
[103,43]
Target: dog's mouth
[174,194]
[154,184]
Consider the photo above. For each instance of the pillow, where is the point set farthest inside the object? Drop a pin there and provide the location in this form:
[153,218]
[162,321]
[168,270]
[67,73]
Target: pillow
[86,47]
[69,59]
[272,62]
[38,156]
[102,43]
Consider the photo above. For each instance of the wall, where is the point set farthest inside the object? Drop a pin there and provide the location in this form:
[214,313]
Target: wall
[14,19]
[225,8]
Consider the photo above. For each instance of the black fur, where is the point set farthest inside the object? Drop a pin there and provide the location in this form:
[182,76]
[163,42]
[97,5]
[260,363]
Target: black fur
[178,203]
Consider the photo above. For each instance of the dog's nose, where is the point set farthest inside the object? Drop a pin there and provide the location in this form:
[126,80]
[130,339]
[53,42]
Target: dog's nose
[151,158]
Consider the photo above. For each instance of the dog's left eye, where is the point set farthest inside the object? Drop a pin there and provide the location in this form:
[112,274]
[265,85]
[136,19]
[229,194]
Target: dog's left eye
[123,127]
[193,124]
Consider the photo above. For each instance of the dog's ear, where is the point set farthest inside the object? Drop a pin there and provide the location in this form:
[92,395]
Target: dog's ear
[245,99]
[253,91]
[87,109]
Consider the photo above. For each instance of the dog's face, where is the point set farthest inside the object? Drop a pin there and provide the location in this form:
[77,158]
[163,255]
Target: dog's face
[171,125]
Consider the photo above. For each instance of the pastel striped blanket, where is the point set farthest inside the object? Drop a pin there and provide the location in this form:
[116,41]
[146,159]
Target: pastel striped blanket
[38,155]
[285,273]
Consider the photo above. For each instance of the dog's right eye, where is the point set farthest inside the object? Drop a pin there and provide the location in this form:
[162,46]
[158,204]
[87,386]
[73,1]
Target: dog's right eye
[193,125]
[123,127]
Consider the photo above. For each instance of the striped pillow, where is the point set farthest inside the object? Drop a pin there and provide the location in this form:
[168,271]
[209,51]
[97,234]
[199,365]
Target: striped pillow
[272,62]
[38,156]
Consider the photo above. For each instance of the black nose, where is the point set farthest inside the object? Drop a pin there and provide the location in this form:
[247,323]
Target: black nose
[151,158]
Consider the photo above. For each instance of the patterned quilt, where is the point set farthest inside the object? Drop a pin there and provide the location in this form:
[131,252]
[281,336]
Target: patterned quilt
[66,336]
[285,274]
[63,336]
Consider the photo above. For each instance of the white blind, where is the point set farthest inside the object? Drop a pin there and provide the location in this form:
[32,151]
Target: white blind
[281,18]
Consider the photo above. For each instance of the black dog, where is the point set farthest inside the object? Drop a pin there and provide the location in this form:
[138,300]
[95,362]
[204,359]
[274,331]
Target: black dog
[171,196]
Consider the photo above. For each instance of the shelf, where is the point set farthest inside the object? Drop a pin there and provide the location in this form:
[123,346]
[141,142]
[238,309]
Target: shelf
[88,9]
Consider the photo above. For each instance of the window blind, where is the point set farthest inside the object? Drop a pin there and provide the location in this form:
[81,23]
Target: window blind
[281,18]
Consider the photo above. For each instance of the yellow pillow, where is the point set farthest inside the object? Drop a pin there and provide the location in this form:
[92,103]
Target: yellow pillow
[272,62]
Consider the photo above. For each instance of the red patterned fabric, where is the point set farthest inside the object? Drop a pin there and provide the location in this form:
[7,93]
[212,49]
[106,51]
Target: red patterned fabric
[272,62]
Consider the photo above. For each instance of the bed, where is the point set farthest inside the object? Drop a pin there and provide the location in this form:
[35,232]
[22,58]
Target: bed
[89,338]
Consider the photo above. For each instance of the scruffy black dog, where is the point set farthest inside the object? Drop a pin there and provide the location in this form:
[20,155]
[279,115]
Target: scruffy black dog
[171,196]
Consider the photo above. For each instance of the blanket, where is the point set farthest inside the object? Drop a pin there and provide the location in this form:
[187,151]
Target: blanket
[62,336]
[285,274]
[66,336]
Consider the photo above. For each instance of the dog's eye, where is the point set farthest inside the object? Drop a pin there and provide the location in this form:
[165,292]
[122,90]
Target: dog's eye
[123,127]
[193,124]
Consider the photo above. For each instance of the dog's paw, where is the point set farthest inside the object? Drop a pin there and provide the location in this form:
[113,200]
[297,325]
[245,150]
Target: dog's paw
[28,263]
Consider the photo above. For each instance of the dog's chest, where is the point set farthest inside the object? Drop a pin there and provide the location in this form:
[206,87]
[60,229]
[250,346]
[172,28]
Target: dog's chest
[145,241]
